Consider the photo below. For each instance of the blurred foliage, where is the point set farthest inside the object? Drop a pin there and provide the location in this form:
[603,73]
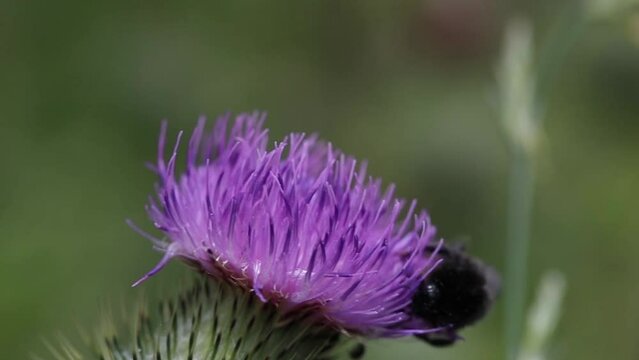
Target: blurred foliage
[408,85]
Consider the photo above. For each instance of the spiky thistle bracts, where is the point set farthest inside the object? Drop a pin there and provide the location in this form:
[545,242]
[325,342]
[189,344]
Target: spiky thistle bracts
[300,225]
[215,320]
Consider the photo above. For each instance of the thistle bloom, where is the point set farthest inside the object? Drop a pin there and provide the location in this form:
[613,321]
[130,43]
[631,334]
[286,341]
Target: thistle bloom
[300,225]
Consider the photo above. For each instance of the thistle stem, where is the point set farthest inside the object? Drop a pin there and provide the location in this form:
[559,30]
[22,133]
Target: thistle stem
[516,81]
[520,197]
[523,87]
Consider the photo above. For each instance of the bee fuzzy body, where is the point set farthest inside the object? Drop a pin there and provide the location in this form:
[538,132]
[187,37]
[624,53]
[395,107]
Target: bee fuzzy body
[458,293]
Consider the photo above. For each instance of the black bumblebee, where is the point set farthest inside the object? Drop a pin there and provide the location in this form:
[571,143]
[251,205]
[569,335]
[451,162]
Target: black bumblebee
[456,294]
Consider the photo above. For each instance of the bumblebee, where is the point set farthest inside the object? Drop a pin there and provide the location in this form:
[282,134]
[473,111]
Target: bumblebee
[458,292]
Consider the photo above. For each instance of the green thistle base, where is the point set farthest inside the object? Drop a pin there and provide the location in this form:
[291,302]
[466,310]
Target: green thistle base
[215,320]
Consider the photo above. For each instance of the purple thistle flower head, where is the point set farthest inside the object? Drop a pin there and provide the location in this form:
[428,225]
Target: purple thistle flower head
[301,225]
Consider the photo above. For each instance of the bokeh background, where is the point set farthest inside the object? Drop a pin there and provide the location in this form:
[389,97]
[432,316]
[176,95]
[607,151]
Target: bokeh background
[408,85]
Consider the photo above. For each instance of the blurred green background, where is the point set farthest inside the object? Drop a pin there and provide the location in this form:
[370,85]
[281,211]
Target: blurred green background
[408,85]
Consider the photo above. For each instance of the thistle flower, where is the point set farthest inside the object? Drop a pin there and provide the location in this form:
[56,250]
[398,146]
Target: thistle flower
[300,225]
